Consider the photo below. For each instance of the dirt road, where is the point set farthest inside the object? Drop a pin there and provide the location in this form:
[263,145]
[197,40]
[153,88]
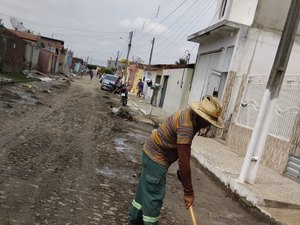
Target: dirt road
[70,161]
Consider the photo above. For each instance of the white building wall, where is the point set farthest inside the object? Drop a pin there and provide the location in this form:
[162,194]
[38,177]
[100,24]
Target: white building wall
[201,69]
[255,51]
[242,11]
[271,14]
[147,90]
[173,92]
[255,13]
[254,55]
[32,53]
[239,11]
[187,82]
[207,62]
[264,55]
[176,96]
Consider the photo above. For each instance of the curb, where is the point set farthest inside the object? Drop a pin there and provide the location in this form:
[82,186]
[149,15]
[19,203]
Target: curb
[136,105]
[245,195]
[229,182]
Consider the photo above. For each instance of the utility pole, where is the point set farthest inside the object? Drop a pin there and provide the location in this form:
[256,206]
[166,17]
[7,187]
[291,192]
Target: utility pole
[157,11]
[129,47]
[151,52]
[150,59]
[187,58]
[116,63]
[269,101]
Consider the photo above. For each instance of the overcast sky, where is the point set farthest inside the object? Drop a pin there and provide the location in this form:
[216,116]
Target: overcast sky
[100,28]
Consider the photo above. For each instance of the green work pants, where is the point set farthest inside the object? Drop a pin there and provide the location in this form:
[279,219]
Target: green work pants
[145,208]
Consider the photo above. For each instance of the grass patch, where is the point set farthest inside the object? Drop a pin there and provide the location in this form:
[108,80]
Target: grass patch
[19,77]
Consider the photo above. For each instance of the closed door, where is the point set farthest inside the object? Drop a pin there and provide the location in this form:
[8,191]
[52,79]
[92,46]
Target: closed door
[163,91]
[213,84]
[207,63]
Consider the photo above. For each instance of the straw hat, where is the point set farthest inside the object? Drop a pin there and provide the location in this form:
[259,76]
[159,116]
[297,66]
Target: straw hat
[209,109]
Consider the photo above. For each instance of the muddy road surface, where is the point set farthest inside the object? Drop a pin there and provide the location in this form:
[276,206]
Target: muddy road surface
[70,161]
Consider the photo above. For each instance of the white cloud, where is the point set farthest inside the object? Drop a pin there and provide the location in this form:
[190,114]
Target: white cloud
[143,24]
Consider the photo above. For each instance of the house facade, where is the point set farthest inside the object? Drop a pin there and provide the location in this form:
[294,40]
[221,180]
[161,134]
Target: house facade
[12,51]
[235,58]
[175,82]
[77,64]
[50,55]
[32,50]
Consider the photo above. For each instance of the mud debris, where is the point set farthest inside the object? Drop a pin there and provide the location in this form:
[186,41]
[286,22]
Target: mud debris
[121,112]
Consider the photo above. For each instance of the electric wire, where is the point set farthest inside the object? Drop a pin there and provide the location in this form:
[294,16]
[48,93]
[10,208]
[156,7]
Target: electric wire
[194,14]
[183,16]
[165,18]
[63,28]
[184,34]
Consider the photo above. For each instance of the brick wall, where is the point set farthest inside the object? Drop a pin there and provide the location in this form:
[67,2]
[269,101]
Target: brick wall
[13,50]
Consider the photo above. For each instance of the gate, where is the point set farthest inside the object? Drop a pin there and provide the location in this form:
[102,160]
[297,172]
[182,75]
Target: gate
[285,113]
[293,167]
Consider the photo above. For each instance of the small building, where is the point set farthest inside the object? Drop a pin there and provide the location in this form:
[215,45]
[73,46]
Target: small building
[32,51]
[136,72]
[77,64]
[50,55]
[12,51]
[235,58]
[175,88]
[175,82]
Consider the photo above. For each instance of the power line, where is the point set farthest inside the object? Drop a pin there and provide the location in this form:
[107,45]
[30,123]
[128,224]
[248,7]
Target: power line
[181,17]
[171,13]
[64,28]
[206,4]
[191,26]
[184,14]
[196,12]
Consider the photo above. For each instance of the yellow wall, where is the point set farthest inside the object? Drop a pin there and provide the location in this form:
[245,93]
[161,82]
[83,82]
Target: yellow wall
[138,75]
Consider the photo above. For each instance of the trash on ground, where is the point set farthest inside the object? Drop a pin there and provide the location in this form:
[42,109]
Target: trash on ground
[45,79]
[121,113]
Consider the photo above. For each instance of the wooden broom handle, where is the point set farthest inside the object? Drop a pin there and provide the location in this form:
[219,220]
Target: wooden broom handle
[192,215]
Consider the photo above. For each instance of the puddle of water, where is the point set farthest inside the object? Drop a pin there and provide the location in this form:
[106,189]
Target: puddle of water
[115,173]
[122,147]
[137,136]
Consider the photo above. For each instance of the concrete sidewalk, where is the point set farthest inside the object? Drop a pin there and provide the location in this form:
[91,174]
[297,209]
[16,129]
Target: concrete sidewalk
[273,194]
[157,114]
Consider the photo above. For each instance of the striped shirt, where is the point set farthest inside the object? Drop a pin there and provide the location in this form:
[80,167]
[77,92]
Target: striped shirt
[161,146]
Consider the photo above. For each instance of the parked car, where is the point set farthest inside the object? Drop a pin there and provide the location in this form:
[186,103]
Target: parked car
[108,82]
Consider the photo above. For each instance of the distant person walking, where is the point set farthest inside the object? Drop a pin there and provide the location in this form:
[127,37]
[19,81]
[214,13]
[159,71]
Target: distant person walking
[140,87]
[91,74]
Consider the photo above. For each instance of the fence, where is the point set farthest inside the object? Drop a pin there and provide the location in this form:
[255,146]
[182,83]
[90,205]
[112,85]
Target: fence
[286,111]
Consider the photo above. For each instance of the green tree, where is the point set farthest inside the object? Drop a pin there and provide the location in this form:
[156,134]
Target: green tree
[91,67]
[181,61]
[106,70]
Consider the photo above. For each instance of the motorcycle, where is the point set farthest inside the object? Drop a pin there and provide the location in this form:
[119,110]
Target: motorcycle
[124,95]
